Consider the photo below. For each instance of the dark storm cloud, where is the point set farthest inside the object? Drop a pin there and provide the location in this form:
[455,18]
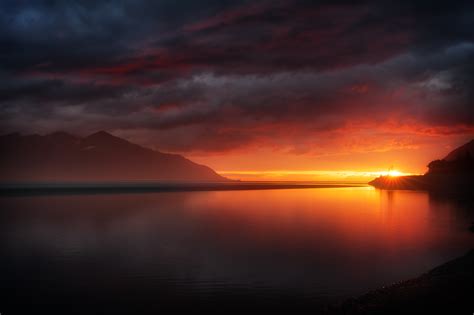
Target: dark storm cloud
[227,69]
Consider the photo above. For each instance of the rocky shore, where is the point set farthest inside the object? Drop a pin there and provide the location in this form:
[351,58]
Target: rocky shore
[447,289]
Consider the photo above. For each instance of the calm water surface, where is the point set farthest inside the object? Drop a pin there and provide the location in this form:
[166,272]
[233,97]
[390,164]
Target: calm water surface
[146,252]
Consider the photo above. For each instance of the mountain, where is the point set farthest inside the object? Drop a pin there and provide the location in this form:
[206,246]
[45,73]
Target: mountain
[454,173]
[60,156]
[458,161]
[465,151]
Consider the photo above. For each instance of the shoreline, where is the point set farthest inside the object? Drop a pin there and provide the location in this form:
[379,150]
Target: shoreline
[446,288]
[149,187]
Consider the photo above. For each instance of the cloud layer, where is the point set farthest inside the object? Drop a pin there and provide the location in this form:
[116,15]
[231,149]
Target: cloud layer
[220,76]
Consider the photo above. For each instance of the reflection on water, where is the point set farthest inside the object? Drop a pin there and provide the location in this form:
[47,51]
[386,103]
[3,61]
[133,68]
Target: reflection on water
[146,251]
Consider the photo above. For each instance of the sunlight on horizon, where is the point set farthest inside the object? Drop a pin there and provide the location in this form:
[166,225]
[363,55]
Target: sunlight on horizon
[394,173]
[309,174]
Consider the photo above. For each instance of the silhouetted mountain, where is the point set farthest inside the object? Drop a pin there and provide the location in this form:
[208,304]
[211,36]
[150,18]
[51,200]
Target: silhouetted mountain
[464,152]
[453,173]
[458,161]
[98,157]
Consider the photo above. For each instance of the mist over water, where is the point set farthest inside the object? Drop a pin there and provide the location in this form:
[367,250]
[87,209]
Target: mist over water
[150,250]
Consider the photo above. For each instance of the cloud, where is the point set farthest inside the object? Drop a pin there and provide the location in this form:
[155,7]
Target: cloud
[220,75]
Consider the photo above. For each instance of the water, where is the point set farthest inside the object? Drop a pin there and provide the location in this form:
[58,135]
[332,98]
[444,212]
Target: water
[146,252]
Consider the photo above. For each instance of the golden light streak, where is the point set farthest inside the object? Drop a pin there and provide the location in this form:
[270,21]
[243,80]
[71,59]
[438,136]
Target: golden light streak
[309,174]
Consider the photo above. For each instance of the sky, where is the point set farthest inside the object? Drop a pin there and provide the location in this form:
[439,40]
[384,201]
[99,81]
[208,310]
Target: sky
[288,90]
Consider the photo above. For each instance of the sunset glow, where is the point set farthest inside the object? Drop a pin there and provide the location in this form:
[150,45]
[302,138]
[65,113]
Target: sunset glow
[245,156]
[395,173]
[311,175]
[287,90]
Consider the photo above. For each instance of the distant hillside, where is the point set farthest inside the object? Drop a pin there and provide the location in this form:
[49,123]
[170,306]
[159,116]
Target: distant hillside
[458,161]
[98,157]
[464,152]
[453,173]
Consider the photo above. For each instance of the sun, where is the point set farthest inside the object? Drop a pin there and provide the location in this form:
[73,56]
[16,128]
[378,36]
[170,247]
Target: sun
[394,173]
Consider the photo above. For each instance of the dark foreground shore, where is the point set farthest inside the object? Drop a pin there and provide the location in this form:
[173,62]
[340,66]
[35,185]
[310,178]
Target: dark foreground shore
[447,289]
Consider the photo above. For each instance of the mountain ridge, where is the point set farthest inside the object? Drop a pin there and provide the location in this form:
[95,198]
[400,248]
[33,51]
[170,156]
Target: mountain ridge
[462,152]
[60,156]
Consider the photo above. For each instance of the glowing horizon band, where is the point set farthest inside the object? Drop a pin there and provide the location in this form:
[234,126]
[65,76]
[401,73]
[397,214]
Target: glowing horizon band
[315,173]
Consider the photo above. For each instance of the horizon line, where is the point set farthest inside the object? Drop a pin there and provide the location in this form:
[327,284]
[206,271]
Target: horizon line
[336,173]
